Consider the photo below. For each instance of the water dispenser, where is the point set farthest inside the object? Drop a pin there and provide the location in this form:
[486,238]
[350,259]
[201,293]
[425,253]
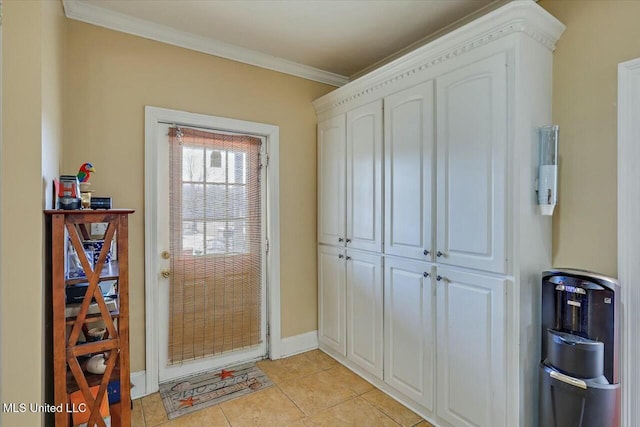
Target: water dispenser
[579,384]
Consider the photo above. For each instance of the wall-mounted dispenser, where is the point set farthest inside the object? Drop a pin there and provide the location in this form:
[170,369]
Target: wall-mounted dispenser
[548,170]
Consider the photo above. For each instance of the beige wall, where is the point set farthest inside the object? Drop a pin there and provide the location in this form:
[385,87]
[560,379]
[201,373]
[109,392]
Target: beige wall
[53,30]
[111,76]
[599,35]
[31,141]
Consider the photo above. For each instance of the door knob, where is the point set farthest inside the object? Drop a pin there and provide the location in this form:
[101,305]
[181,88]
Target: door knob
[165,255]
[340,256]
[439,277]
[425,274]
[348,240]
[426,252]
[439,254]
[340,239]
[165,273]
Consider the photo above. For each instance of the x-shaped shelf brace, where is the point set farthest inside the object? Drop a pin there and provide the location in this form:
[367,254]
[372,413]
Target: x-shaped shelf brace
[111,343]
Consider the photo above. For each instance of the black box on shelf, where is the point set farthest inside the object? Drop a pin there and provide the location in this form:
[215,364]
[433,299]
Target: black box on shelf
[98,202]
[75,293]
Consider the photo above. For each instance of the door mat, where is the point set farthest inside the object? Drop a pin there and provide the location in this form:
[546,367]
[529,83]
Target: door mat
[190,394]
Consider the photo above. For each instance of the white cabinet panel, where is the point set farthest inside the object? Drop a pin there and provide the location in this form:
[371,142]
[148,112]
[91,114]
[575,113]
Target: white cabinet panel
[471,349]
[331,181]
[331,298]
[364,311]
[364,177]
[409,133]
[471,188]
[409,330]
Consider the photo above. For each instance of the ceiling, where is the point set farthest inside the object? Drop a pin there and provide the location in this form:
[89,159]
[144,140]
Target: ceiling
[337,39]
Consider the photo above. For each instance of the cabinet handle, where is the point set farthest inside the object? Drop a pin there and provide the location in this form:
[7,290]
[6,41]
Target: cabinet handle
[426,252]
[425,274]
[439,254]
[340,256]
[348,257]
[439,277]
[340,239]
[348,240]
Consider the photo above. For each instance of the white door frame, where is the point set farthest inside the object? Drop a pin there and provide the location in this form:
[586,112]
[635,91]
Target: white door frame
[154,115]
[629,235]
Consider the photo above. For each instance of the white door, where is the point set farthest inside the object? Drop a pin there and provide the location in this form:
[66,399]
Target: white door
[472,144]
[409,172]
[364,177]
[364,310]
[471,349]
[331,299]
[331,181]
[210,228]
[409,329]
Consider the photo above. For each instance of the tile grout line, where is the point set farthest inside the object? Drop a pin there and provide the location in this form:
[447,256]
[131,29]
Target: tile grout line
[291,400]
[224,414]
[383,413]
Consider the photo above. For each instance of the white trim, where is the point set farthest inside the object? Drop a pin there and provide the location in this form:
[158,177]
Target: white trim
[629,235]
[153,115]
[299,343]
[96,15]
[138,382]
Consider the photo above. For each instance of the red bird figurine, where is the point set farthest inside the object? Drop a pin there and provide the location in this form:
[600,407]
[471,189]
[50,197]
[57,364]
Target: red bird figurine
[84,172]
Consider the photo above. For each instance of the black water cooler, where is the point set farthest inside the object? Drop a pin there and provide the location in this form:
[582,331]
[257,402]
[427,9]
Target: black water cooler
[579,384]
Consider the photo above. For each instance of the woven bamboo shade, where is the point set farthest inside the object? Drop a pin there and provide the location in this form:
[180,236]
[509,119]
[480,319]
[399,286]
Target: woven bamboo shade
[216,242]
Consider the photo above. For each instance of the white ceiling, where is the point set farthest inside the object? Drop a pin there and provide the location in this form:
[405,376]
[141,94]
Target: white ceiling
[338,37]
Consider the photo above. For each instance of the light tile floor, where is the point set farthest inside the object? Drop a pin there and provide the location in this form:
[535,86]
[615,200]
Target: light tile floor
[310,390]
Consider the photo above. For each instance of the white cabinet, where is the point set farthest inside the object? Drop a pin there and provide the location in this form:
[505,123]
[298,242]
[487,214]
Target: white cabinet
[331,181]
[364,177]
[409,330]
[364,310]
[331,299]
[472,144]
[350,179]
[409,172]
[472,371]
[350,305]
[460,155]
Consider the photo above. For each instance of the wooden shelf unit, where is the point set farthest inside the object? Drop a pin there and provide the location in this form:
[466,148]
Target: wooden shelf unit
[72,228]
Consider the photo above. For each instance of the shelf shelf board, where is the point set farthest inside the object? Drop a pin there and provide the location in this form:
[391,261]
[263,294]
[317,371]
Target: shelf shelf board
[100,346]
[95,317]
[88,211]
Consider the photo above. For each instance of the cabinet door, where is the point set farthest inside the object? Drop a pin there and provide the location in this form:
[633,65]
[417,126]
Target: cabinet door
[331,181]
[331,299]
[364,311]
[409,133]
[471,349]
[409,330]
[364,177]
[471,188]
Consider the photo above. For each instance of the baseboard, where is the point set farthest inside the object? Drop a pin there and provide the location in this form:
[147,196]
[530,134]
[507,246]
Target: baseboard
[299,343]
[139,383]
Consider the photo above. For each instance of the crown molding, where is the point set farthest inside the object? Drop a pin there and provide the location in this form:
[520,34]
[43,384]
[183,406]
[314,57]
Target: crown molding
[518,16]
[495,4]
[91,14]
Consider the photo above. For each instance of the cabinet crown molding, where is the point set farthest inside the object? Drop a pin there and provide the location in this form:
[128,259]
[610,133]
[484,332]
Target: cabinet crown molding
[519,16]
